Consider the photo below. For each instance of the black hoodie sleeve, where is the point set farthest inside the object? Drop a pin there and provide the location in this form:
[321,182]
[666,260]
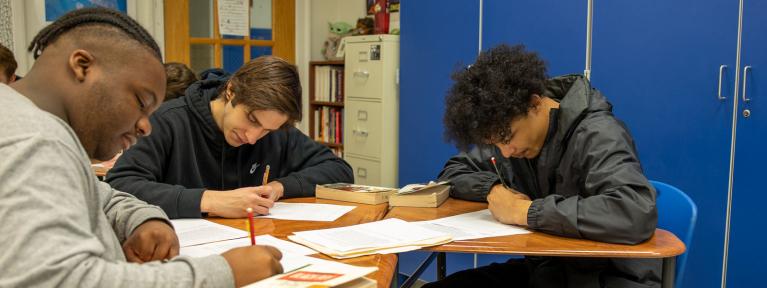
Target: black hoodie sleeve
[472,175]
[140,169]
[309,163]
[621,207]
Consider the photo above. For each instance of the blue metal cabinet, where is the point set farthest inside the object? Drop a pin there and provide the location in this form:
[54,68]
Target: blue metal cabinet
[555,29]
[748,196]
[669,69]
[436,37]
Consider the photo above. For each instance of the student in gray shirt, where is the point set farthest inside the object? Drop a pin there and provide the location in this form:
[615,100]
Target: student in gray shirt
[97,77]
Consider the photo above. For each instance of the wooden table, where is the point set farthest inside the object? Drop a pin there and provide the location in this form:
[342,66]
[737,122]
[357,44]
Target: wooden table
[662,245]
[361,214]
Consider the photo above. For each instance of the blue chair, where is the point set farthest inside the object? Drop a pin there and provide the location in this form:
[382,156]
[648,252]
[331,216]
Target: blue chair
[676,213]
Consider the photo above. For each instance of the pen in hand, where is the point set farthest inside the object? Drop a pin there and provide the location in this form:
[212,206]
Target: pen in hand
[492,160]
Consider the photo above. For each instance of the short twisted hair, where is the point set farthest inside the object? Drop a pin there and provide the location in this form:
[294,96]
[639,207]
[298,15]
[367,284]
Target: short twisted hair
[489,94]
[95,17]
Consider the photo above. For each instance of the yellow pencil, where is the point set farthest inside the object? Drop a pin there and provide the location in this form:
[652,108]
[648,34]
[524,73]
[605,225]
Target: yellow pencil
[266,176]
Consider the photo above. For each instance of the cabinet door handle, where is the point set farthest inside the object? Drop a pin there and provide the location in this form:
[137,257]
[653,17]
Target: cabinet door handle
[745,76]
[719,93]
[362,172]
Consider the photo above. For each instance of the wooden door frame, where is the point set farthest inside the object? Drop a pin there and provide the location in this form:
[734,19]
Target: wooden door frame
[178,41]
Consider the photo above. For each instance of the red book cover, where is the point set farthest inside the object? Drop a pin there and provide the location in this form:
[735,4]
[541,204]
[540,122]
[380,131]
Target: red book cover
[338,127]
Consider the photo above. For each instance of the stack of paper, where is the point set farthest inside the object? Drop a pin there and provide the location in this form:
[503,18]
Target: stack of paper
[479,224]
[385,236]
[307,211]
[197,231]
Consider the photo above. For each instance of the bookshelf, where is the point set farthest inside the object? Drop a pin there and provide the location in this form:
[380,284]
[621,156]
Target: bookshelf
[326,104]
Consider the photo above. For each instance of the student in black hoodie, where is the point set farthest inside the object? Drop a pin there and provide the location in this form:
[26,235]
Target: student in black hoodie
[569,168]
[208,150]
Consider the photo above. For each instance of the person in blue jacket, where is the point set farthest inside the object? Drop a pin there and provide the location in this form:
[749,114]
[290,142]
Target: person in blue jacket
[209,150]
[567,167]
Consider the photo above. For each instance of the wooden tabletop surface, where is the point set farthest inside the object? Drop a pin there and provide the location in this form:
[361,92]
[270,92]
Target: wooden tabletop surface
[361,214]
[663,244]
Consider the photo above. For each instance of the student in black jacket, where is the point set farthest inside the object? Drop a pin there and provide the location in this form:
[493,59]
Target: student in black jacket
[570,169]
[209,149]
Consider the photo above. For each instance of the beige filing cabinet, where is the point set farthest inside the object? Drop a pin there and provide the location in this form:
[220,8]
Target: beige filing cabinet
[371,109]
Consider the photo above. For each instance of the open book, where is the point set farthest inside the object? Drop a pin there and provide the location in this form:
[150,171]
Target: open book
[431,194]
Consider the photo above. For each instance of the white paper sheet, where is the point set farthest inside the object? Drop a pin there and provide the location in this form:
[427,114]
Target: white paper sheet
[286,247]
[233,17]
[307,211]
[293,255]
[198,231]
[380,234]
[479,224]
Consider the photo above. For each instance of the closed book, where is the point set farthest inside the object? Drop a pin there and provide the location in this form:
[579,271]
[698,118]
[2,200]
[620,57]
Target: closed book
[354,193]
[421,195]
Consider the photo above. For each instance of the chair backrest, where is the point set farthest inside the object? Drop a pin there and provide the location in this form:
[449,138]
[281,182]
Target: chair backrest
[676,213]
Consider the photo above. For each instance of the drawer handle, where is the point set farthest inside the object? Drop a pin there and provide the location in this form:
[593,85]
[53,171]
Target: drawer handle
[362,115]
[361,74]
[362,133]
[362,172]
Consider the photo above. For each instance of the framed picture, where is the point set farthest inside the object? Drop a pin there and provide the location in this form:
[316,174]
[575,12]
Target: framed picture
[370,5]
[55,8]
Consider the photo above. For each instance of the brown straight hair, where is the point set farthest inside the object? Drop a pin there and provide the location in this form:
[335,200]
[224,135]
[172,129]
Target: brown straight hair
[268,83]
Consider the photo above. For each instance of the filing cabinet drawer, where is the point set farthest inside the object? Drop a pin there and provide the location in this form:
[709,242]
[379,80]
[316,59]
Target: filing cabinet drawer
[366,172]
[363,73]
[362,130]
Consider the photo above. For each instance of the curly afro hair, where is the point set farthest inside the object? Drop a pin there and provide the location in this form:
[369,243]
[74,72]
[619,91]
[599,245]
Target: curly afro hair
[487,95]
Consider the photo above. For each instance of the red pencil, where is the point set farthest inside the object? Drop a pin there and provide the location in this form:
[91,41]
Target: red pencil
[251,226]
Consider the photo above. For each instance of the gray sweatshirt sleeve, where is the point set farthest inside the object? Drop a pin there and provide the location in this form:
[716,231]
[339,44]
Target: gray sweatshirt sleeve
[125,212]
[472,175]
[621,206]
[55,231]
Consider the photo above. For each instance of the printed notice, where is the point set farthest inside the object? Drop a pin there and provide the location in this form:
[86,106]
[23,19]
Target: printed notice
[233,17]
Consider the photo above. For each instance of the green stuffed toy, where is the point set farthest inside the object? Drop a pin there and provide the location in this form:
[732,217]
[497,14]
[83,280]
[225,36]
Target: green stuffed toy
[338,30]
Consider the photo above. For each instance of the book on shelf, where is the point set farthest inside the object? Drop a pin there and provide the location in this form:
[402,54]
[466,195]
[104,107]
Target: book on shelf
[354,193]
[328,125]
[328,85]
[431,195]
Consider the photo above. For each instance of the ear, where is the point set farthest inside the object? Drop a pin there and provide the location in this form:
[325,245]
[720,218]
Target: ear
[80,62]
[228,95]
[535,100]
[13,78]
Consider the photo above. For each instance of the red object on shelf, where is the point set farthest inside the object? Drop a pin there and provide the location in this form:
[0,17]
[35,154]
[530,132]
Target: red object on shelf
[381,17]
